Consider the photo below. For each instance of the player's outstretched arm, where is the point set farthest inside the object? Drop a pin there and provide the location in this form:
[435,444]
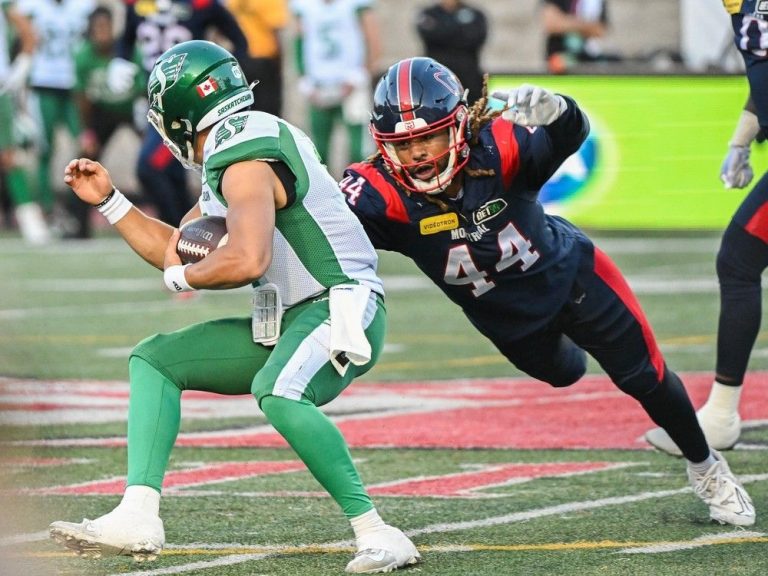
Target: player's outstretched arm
[91,182]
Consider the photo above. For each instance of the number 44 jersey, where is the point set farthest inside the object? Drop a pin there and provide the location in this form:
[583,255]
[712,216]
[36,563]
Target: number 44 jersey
[492,250]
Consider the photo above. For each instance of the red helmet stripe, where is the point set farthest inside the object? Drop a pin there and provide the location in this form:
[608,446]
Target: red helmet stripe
[405,90]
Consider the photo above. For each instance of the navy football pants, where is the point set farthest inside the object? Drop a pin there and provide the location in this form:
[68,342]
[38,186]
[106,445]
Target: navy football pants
[604,319]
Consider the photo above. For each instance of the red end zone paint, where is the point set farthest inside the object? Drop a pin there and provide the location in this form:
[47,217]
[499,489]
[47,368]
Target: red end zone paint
[511,414]
[211,473]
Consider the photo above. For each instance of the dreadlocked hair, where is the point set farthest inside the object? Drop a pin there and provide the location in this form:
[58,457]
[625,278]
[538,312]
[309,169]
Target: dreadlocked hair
[479,116]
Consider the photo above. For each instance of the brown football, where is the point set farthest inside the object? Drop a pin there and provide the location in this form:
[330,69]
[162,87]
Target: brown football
[200,237]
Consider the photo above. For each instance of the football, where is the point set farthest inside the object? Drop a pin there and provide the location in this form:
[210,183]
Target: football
[200,237]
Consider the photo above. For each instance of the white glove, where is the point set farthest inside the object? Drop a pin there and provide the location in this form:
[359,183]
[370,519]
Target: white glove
[18,74]
[120,75]
[736,171]
[532,106]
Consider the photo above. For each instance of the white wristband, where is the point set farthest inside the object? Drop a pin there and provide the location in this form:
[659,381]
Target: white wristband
[116,207]
[175,280]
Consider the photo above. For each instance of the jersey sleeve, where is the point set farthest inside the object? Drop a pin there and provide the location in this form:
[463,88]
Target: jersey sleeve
[530,156]
[370,206]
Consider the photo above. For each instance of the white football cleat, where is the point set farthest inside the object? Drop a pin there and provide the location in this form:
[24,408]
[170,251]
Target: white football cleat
[382,551]
[118,533]
[727,499]
[721,429]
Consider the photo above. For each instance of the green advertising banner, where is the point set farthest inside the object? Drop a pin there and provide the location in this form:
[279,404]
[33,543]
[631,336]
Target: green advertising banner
[653,156]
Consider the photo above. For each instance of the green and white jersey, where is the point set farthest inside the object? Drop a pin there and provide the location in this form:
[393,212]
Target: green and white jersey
[318,242]
[59,27]
[333,44]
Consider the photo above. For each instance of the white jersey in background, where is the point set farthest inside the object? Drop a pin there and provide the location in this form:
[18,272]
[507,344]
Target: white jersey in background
[333,45]
[318,242]
[59,26]
[5,59]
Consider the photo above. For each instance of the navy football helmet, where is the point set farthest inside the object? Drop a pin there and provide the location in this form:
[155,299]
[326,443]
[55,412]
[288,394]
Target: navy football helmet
[419,96]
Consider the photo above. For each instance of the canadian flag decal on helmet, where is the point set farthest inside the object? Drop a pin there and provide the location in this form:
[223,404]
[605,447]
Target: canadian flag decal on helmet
[208,87]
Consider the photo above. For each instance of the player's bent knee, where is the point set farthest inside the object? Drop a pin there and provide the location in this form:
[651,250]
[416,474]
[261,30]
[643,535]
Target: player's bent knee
[571,371]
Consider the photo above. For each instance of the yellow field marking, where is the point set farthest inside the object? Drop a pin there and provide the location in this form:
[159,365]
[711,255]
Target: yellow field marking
[549,547]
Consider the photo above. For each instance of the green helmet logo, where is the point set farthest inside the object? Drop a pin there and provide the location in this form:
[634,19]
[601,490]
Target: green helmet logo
[191,87]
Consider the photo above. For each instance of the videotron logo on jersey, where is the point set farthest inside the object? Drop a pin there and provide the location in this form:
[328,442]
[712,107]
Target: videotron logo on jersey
[439,223]
[573,174]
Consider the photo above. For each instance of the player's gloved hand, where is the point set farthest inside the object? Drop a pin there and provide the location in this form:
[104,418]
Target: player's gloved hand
[736,171]
[530,105]
[120,75]
[17,75]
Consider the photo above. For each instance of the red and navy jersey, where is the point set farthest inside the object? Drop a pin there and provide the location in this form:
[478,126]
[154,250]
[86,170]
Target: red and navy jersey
[496,253]
[155,29]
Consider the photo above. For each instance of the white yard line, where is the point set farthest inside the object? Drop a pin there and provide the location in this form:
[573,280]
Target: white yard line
[445,527]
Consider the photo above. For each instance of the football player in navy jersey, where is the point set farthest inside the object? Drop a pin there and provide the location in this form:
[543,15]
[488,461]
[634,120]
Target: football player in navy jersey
[743,254]
[155,26]
[455,189]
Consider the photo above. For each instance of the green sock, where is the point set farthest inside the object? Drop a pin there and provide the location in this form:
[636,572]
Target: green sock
[320,445]
[18,189]
[154,416]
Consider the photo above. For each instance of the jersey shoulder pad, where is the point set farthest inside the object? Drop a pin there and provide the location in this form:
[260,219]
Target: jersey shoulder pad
[504,138]
[370,191]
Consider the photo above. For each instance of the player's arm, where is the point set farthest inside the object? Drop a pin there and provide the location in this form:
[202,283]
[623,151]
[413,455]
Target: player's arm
[557,22]
[147,236]
[548,129]
[372,38]
[736,171]
[22,64]
[227,25]
[126,44]
[253,194]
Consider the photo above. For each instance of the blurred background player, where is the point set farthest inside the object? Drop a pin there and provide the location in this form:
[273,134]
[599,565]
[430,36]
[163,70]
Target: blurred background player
[262,22]
[573,32]
[743,254]
[29,216]
[104,106]
[155,26]
[337,52]
[59,27]
[454,34]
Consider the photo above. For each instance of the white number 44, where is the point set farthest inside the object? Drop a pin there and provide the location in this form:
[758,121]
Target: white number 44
[460,269]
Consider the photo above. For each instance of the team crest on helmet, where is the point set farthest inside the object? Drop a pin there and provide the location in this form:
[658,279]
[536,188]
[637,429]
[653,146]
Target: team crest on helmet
[167,73]
[229,128]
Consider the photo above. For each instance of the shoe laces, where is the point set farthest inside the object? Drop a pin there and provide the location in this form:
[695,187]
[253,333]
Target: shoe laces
[709,483]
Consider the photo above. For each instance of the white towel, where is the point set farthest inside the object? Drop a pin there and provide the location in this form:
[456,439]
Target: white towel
[347,304]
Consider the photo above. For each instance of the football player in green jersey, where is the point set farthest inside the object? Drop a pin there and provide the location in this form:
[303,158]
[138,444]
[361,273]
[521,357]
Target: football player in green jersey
[318,318]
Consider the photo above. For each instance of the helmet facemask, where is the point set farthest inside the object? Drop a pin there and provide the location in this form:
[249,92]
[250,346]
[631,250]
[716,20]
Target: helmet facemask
[184,151]
[457,152]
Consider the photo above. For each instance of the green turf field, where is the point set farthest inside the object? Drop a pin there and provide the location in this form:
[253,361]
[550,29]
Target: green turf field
[70,313]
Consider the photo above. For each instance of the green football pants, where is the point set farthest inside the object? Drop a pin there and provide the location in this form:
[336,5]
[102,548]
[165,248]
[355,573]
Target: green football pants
[290,381]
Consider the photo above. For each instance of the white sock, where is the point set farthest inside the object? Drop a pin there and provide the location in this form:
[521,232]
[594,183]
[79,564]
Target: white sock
[141,498]
[368,522]
[701,467]
[723,398]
